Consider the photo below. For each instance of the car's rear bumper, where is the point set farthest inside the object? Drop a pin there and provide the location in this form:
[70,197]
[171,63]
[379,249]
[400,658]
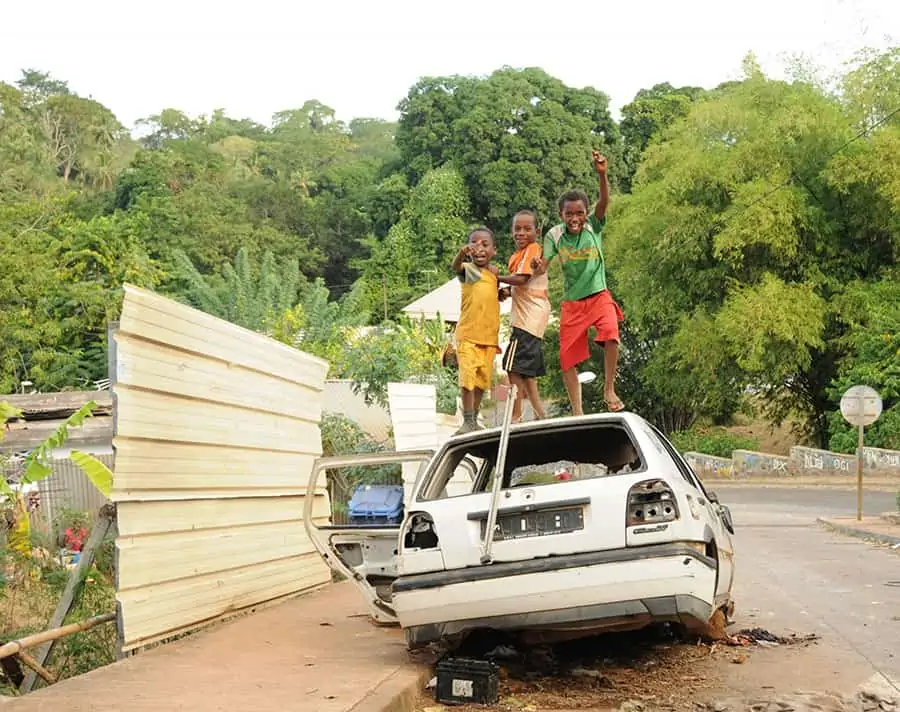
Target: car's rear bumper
[611,590]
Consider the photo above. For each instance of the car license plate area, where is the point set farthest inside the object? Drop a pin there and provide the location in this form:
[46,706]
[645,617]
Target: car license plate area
[523,525]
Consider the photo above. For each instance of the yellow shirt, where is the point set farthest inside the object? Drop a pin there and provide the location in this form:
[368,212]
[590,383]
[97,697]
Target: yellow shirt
[479,315]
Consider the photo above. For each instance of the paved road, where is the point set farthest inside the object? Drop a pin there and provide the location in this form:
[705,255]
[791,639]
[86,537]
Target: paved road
[810,502]
[794,575]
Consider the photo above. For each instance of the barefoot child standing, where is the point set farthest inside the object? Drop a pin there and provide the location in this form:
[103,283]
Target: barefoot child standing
[524,358]
[578,242]
[478,328]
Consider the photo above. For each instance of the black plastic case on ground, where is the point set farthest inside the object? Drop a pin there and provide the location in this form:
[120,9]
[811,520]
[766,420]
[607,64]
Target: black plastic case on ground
[461,681]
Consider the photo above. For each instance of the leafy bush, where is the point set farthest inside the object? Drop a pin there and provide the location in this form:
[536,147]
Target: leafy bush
[885,433]
[403,351]
[712,441]
[343,436]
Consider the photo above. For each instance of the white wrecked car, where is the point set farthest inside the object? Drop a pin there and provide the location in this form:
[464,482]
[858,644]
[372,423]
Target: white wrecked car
[598,524]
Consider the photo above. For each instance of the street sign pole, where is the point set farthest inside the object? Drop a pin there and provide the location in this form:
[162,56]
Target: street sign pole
[859,470]
[860,406]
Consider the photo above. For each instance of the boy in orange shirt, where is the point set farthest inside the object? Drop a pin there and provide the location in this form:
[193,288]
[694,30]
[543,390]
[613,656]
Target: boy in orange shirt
[478,328]
[524,358]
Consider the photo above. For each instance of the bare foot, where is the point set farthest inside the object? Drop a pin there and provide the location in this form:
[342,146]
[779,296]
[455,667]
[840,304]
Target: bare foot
[614,403]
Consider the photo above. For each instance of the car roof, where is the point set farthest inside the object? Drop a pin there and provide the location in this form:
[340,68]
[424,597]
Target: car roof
[621,417]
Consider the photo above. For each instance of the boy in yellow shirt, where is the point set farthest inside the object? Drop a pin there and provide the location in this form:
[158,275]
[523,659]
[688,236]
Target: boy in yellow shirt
[478,328]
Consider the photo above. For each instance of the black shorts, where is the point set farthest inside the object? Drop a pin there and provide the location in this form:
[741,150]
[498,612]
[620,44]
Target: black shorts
[528,359]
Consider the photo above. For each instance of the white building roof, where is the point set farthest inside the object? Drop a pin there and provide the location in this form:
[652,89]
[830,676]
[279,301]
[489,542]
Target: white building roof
[445,300]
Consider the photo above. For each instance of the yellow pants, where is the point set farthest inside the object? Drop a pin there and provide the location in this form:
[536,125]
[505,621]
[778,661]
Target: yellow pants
[476,365]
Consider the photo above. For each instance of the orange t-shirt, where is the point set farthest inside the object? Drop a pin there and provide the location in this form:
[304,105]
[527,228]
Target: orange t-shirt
[530,302]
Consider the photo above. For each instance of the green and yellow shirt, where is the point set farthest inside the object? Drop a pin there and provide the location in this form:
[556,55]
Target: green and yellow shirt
[581,257]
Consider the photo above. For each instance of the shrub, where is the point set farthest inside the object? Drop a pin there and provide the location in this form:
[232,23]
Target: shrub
[712,441]
[343,436]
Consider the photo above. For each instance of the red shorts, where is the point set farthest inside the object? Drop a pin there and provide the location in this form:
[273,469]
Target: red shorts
[598,310]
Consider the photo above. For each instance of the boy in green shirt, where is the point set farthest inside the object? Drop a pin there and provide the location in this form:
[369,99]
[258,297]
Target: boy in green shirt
[578,242]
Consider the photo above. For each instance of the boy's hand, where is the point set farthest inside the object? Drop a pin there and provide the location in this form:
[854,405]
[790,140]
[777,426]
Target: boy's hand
[504,294]
[538,266]
[465,250]
[600,163]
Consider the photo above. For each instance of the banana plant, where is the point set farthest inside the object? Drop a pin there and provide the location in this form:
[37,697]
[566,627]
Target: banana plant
[36,463]
[36,468]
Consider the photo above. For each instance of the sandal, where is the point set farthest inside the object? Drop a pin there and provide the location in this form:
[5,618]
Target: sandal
[615,406]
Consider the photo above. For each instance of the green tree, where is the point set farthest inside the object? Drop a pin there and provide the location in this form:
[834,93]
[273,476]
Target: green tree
[872,314]
[21,168]
[518,137]
[414,257]
[400,351]
[322,326]
[649,113]
[247,293]
[749,242]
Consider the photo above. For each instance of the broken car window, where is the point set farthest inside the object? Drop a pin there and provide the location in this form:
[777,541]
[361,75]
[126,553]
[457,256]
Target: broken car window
[537,458]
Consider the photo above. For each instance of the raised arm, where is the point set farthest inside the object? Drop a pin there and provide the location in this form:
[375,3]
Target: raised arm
[600,165]
[457,265]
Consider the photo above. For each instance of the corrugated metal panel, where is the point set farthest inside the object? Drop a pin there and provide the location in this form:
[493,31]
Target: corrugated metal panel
[413,409]
[461,482]
[216,432]
[69,488]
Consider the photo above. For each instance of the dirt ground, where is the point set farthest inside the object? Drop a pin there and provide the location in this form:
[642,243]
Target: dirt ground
[775,440]
[649,671]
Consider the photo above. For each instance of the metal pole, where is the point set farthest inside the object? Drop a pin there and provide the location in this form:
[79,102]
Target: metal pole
[498,476]
[859,473]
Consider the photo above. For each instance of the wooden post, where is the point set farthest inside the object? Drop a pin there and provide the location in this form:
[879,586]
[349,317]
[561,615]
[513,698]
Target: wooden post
[45,674]
[105,520]
[14,647]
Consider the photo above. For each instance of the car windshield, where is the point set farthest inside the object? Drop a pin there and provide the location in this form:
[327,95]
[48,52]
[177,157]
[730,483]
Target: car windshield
[536,457]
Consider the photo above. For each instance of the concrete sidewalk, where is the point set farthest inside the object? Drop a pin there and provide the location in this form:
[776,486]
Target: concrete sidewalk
[319,652]
[882,530]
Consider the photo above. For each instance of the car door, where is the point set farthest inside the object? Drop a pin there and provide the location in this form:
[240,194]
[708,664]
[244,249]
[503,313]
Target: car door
[365,554]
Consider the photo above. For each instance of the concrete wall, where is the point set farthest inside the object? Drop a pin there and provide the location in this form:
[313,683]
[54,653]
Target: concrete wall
[880,461]
[709,466]
[803,462]
[748,463]
[808,461]
[339,397]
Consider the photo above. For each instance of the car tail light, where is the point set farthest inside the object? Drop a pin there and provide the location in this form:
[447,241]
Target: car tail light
[651,502]
[420,532]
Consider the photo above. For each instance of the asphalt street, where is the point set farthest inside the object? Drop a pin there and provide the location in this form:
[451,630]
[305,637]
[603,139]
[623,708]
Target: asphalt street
[807,502]
[793,575]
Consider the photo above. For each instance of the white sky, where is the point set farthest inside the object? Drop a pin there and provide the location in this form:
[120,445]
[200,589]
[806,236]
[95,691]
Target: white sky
[361,56]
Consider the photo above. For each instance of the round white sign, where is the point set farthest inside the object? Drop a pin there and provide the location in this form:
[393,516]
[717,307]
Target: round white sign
[861,405]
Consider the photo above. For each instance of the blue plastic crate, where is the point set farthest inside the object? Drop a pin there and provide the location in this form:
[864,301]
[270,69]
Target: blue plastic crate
[376,504]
